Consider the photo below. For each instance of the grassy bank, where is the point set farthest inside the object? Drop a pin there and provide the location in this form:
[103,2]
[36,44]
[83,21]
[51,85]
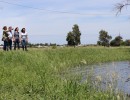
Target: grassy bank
[35,75]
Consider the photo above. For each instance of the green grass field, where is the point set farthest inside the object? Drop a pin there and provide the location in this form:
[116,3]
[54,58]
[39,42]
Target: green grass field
[38,73]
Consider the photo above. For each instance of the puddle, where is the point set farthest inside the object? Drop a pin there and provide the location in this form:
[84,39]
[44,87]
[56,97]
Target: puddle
[115,74]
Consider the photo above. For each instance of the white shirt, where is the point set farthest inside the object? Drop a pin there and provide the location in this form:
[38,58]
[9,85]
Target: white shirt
[10,35]
[24,36]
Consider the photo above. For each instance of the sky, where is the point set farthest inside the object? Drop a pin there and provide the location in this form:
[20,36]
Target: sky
[45,25]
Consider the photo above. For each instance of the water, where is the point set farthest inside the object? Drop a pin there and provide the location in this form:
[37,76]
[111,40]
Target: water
[115,74]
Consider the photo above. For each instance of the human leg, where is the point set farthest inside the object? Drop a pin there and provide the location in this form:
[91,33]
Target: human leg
[18,44]
[23,44]
[5,47]
[10,44]
[15,45]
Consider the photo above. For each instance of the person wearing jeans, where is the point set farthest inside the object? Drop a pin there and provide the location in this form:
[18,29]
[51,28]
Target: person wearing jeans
[16,38]
[24,39]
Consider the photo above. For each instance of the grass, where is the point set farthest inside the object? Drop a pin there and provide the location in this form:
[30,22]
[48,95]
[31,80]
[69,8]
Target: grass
[38,73]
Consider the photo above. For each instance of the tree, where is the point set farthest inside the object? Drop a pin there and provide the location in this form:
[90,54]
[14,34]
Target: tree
[104,38]
[73,38]
[117,41]
[29,44]
[77,34]
[120,6]
[127,43]
[99,43]
[70,38]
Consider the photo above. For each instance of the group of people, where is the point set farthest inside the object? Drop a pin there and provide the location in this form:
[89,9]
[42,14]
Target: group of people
[9,37]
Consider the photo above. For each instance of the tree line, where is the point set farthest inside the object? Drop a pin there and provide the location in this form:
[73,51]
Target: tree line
[106,40]
[74,36]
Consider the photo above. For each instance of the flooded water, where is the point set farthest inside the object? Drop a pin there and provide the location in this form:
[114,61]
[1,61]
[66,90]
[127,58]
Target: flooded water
[114,74]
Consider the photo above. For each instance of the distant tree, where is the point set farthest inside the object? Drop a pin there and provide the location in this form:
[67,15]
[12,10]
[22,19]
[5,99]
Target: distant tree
[127,43]
[120,6]
[118,38]
[122,43]
[99,43]
[53,44]
[29,44]
[104,38]
[77,34]
[117,41]
[70,38]
[73,38]
[46,44]
[41,44]
[113,43]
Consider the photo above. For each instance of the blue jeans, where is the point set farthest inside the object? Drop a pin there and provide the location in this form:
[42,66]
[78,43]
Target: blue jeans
[24,44]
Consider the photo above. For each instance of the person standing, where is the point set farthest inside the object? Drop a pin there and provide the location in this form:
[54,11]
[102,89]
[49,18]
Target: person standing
[16,38]
[24,39]
[10,36]
[5,38]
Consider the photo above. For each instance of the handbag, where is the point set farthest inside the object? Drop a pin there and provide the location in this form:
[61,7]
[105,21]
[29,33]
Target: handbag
[2,39]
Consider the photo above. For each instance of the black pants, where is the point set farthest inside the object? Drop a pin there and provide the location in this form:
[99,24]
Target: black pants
[10,44]
[16,43]
[5,47]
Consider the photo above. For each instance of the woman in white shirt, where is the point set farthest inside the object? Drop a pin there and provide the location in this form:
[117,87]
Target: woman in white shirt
[24,39]
[10,36]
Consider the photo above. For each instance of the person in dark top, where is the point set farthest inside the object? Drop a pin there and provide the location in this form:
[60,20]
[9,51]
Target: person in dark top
[16,38]
[5,38]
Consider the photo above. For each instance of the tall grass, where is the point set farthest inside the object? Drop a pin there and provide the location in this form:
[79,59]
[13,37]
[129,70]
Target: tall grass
[39,73]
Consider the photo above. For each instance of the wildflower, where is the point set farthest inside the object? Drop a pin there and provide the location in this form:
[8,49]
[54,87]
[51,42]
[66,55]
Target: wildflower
[84,61]
[110,86]
[86,81]
[114,75]
[118,97]
[99,78]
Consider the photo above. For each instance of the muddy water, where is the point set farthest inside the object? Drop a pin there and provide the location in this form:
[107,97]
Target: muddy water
[114,74]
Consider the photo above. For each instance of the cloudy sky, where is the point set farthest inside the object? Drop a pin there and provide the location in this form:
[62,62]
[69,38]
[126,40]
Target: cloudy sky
[45,22]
